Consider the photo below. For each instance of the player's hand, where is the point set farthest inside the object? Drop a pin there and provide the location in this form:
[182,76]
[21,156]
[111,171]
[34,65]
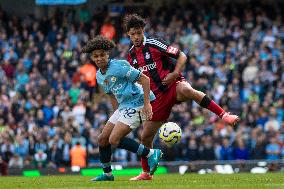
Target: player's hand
[147,111]
[171,77]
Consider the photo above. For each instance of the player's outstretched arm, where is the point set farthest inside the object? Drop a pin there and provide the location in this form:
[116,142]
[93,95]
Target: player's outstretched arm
[180,63]
[181,60]
[145,82]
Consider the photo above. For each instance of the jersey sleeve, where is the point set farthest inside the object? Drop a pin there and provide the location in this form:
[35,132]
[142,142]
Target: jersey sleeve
[127,71]
[164,47]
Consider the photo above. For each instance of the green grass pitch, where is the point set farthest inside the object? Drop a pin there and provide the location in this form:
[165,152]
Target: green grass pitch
[165,181]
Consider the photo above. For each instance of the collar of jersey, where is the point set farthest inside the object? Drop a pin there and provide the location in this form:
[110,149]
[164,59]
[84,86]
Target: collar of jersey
[144,42]
[106,68]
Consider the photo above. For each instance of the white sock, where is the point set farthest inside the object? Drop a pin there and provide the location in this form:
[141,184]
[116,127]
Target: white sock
[109,174]
[150,153]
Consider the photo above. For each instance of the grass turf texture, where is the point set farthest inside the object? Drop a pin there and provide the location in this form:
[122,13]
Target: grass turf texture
[165,181]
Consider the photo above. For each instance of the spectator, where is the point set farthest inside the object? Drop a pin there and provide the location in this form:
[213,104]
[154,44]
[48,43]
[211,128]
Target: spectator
[7,150]
[93,147]
[84,15]
[47,112]
[227,151]
[54,156]
[40,159]
[21,147]
[16,162]
[66,147]
[78,156]
[272,123]
[273,150]
[206,150]
[108,29]
[241,152]
[258,151]
[74,93]
[192,152]
[3,167]
[79,111]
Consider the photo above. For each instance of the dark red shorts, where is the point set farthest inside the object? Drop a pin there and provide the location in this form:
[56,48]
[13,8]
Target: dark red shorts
[164,102]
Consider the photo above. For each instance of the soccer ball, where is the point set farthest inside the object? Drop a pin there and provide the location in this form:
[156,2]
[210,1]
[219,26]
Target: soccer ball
[170,133]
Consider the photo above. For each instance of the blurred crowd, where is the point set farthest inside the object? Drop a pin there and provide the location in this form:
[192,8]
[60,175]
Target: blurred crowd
[51,111]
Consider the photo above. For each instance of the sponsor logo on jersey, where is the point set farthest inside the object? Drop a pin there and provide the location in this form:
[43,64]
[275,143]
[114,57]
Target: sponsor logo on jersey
[147,67]
[172,50]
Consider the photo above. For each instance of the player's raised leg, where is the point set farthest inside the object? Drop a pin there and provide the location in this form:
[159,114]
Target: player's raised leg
[185,92]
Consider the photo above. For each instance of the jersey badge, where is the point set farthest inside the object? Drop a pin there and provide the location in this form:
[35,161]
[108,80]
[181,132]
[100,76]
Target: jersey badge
[113,79]
[147,55]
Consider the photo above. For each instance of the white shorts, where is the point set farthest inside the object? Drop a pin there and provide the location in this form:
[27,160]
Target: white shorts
[133,117]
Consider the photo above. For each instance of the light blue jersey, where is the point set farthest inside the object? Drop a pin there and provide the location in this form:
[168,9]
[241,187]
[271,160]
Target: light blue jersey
[120,80]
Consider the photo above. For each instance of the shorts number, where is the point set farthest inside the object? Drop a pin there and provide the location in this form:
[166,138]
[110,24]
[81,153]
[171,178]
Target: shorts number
[129,112]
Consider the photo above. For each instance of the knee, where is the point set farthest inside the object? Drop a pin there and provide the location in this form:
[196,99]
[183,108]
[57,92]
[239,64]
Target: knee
[114,141]
[103,140]
[188,91]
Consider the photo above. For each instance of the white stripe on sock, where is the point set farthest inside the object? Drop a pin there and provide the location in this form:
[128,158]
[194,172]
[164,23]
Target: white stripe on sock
[150,153]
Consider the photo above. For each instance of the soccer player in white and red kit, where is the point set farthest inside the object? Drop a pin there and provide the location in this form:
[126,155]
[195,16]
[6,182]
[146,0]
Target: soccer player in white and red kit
[153,57]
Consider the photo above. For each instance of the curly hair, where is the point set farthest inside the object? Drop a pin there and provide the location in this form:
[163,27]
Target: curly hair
[134,21]
[98,43]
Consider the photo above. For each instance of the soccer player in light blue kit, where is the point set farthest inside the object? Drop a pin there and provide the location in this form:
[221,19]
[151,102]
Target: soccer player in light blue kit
[130,100]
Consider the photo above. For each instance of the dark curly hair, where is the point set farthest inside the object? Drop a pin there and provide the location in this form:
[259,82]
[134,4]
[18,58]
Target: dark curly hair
[134,21]
[98,43]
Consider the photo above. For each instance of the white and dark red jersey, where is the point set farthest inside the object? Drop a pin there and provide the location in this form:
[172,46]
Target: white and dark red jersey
[153,58]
